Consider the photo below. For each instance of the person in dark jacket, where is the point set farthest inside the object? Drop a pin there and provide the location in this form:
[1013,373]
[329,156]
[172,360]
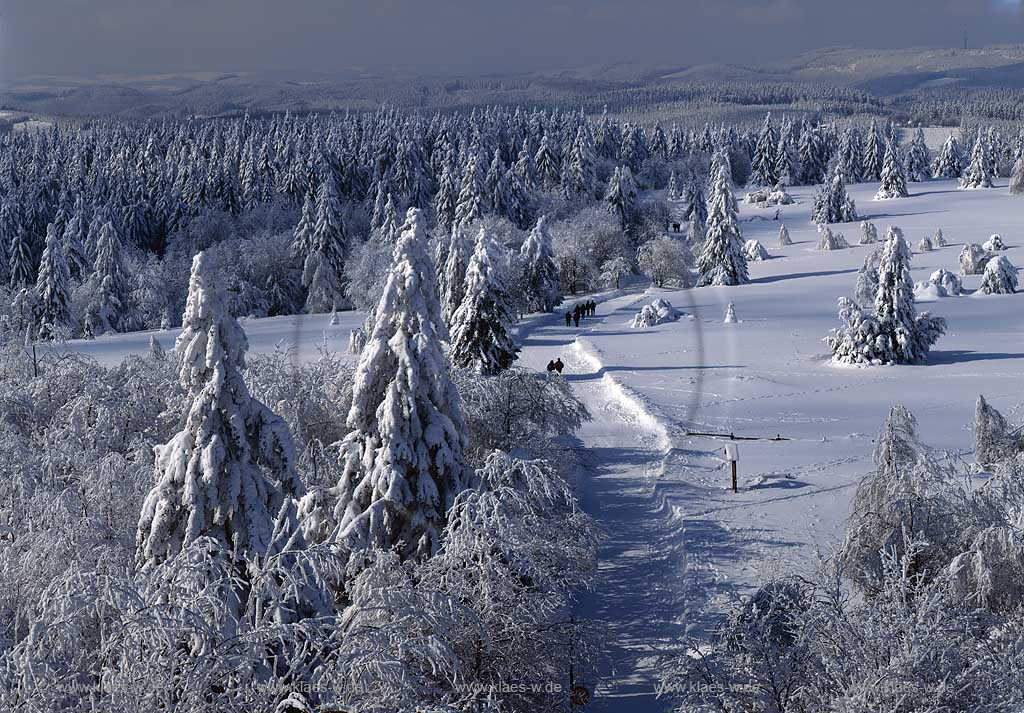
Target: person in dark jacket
[576,317]
[559,365]
[568,318]
[551,366]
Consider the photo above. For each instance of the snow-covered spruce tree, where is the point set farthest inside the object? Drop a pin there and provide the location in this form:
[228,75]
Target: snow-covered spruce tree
[993,441]
[1017,177]
[813,156]
[755,251]
[722,261]
[868,233]
[979,171]
[831,204]
[696,204]
[302,234]
[1000,277]
[894,179]
[891,333]
[403,462]
[918,164]
[480,327]
[451,275]
[849,154]
[621,196]
[323,270]
[672,190]
[867,280]
[73,241]
[950,161]
[22,273]
[539,273]
[924,245]
[227,472]
[784,238]
[54,288]
[874,153]
[763,163]
[938,240]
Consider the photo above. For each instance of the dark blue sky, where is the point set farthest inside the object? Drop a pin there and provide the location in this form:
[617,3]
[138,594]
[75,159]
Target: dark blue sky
[88,37]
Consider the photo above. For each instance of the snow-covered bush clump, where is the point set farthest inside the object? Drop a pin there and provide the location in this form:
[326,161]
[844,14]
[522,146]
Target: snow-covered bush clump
[994,439]
[657,312]
[891,332]
[784,238]
[730,314]
[768,197]
[754,251]
[994,244]
[948,281]
[868,233]
[938,240]
[1000,277]
[925,245]
[830,240]
[973,259]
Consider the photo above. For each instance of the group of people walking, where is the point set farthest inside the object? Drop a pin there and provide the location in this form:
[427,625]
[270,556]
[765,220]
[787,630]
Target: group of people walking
[579,311]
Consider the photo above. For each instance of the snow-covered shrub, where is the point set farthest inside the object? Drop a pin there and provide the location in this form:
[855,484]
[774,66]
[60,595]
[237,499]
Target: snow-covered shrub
[925,245]
[754,251]
[938,240]
[993,244]
[830,240]
[1017,177]
[993,441]
[518,411]
[768,197]
[784,238]
[356,341]
[666,261]
[730,314]
[868,233]
[657,312]
[612,271]
[973,259]
[1000,277]
[949,282]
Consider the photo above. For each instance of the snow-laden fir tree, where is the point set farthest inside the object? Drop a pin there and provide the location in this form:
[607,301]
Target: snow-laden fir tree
[950,162]
[323,270]
[831,203]
[925,245]
[446,199]
[228,471]
[999,278]
[76,233]
[53,286]
[979,171]
[938,240]
[472,200]
[918,161]
[784,238]
[763,163]
[1017,177]
[754,251]
[108,310]
[894,179]
[849,154]
[621,196]
[730,314]
[868,233]
[874,153]
[403,462]
[479,329]
[302,234]
[20,260]
[539,278]
[892,332]
[451,275]
[993,441]
[813,156]
[722,261]
[672,190]
[867,280]
[696,204]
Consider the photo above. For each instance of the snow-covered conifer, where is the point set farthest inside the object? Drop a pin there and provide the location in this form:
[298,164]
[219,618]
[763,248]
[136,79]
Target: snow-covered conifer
[323,270]
[1000,277]
[53,286]
[1017,177]
[754,251]
[539,274]
[993,441]
[938,240]
[874,153]
[672,190]
[451,276]
[918,164]
[403,462]
[20,261]
[831,203]
[994,243]
[621,196]
[479,329]
[949,163]
[979,171]
[867,280]
[230,468]
[730,314]
[925,245]
[830,240]
[722,261]
[763,163]
[894,179]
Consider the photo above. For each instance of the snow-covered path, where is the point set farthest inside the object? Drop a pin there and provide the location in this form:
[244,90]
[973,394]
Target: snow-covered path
[638,594]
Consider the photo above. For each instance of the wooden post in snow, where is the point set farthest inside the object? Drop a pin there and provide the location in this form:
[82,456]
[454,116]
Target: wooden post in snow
[732,455]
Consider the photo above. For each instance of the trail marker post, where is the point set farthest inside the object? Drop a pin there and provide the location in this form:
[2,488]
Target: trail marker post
[732,454]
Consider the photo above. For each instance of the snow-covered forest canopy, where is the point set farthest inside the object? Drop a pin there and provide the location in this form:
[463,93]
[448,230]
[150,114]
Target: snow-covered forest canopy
[407,511]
